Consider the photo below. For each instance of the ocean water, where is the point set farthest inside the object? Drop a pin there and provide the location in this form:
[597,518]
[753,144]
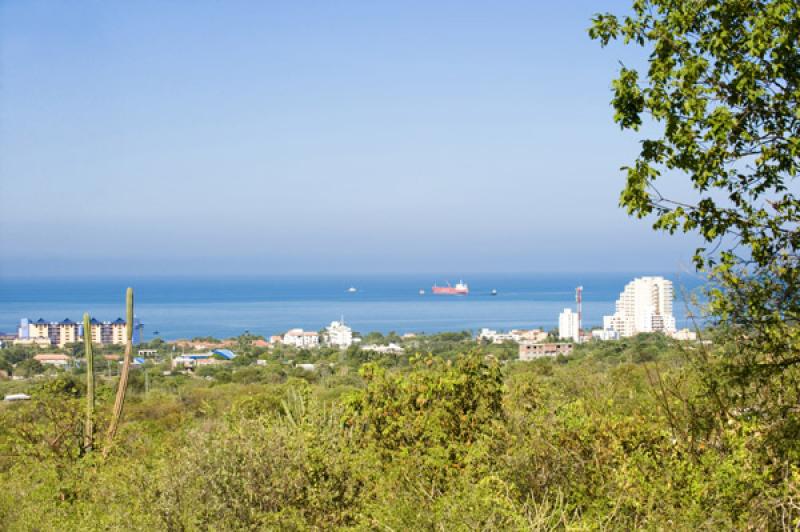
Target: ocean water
[184,308]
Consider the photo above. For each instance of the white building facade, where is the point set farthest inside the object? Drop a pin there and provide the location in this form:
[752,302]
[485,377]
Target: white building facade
[644,306]
[391,349]
[515,335]
[605,335]
[685,335]
[569,326]
[339,334]
[300,338]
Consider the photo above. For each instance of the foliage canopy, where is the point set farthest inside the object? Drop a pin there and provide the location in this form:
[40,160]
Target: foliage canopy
[722,89]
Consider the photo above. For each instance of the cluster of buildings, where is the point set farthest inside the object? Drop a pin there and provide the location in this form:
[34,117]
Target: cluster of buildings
[337,334]
[644,306]
[389,349]
[60,333]
[300,339]
[514,335]
[211,358]
[60,360]
[532,343]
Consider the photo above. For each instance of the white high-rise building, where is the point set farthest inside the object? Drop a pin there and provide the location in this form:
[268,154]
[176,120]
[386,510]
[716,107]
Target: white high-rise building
[339,334]
[569,325]
[644,306]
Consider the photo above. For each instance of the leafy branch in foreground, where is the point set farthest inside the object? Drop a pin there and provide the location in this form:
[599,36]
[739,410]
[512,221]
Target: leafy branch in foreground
[722,88]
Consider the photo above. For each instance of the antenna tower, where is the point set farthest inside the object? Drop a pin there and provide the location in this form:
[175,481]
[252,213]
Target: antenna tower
[579,300]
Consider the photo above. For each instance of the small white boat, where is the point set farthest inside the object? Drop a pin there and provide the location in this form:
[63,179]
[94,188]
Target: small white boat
[352,289]
[421,292]
[494,291]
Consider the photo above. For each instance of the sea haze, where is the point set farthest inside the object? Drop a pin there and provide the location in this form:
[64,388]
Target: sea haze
[185,308]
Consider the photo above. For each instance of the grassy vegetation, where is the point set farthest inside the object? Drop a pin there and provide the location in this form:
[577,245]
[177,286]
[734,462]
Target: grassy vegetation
[618,435]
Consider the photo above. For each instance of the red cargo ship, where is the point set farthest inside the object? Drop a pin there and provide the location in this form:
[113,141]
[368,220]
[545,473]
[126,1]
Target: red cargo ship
[460,289]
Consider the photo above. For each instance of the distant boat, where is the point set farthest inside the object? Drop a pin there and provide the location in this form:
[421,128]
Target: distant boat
[460,289]
[352,289]
[421,292]
[494,291]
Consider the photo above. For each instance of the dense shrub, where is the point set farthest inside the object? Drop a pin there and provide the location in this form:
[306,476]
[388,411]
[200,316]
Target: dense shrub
[607,438]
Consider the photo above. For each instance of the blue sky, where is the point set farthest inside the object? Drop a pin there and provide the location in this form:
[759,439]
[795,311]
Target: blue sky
[322,137]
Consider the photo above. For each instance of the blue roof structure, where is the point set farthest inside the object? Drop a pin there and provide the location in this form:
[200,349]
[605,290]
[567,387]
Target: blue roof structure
[197,356]
[138,360]
[227,354]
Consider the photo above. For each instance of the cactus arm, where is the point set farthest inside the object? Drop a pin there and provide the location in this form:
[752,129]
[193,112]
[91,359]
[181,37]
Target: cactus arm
[88,431]
[123,378]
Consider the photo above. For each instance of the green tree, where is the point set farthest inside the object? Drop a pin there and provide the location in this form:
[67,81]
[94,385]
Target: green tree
[437,417]
[722,90]
[29,368]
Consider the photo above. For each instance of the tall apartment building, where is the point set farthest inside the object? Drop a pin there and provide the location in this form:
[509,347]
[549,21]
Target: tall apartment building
[68,332]
[339,334]
[58,333]
[644,306]
[569,325]
[65,332]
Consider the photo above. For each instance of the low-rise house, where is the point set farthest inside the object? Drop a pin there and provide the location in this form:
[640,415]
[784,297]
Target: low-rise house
[515,335]
[211,358]
[211,362]
[531,351]
[531,335]
[38,342]
[492,336]
[300,338]
[202,344]
[189,360]
[685,335]
[605,334]
[391,349]
[227,354]
[53,359]
[7,339]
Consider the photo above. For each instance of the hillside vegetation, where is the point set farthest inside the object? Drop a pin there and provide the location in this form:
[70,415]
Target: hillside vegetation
[619,435]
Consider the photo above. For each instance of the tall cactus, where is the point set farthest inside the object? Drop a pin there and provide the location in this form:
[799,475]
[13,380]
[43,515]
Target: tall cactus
[88,429]
[123,377]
